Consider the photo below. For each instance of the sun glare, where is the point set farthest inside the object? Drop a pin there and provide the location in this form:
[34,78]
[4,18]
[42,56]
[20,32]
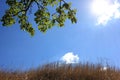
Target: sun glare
[105,10]
[100,6]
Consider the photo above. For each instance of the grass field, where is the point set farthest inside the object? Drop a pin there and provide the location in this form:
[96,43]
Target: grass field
[56,71]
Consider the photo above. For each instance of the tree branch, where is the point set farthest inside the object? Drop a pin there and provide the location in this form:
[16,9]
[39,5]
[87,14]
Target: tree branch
[39,6]
[29,4]
[60,6]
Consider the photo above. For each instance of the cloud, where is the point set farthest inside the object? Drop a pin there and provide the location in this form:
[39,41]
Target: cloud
[70,58]
[106,10]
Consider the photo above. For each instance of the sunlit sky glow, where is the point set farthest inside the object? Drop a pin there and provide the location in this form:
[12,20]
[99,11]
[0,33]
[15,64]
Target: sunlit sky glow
[105,10]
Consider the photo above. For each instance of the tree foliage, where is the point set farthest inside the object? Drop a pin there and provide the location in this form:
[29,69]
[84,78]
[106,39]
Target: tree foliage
[45,19]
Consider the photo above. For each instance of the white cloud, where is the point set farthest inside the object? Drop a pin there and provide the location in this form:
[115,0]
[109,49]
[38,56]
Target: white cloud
[105,10]
[70,58]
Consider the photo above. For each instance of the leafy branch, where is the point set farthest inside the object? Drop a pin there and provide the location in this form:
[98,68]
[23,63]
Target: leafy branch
[43,17]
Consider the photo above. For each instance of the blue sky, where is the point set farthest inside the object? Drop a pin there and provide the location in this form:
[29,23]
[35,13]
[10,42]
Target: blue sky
[88,40]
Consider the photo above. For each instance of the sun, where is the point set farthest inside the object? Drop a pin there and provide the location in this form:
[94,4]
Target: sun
[105,10]
[100,7]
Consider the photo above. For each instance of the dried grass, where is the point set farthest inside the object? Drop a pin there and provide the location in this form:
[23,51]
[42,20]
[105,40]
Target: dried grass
[56,71]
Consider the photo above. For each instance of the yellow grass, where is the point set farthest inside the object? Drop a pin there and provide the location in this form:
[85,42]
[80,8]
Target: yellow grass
[56,71]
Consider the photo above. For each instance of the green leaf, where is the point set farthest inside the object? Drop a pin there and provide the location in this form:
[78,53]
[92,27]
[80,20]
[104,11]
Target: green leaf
[44,18]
